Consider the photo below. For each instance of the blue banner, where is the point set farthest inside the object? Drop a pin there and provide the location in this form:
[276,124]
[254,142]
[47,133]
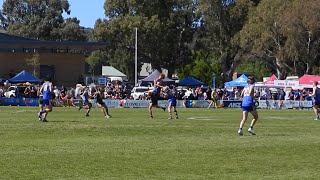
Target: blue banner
[231,104]
[19,102]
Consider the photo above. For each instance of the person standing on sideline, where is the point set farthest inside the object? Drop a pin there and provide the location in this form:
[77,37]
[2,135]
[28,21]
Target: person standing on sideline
[46,90]
[247,95]
[214,99]
[99,96]
[316,99]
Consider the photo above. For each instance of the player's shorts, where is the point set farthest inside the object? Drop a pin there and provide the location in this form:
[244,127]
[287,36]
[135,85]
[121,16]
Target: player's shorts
[41,101]
[101,103]
[247,108]
[86,102]
[46,102]
[316,103]
[154,99]
[172,102]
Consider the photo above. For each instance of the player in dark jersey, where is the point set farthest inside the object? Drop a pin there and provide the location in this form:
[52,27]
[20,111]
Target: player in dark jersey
[99,97]
[316,99]
[40,102]
[155,94]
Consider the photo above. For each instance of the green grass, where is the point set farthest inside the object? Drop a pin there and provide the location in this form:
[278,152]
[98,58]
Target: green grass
[202,144]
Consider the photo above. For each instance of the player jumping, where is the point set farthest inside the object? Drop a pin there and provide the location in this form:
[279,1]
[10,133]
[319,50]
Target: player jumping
[155,94]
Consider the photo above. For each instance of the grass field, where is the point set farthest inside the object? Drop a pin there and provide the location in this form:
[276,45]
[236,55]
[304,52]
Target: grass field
[202,144]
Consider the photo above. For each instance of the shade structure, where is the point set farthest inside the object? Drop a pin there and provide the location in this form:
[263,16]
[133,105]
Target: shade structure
[240,81]
[153,76]
[308,79]
[190,81]
[110,71]
[23,77]
[270,80]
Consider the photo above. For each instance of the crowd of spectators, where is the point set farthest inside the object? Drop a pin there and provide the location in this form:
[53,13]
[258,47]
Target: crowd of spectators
[119,91]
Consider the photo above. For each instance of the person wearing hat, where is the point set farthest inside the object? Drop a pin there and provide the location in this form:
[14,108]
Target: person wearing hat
[27,90]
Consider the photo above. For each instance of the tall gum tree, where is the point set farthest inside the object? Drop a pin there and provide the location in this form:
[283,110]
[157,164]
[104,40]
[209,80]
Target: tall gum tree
[221,21]
[40,19]
[165,31]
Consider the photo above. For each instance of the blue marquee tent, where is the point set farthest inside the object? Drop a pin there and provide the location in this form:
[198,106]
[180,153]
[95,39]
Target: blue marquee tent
[240,81]
[23,77]
[190,81]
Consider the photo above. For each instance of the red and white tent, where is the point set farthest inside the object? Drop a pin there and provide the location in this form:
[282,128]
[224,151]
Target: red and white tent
[270,80]
[308,79]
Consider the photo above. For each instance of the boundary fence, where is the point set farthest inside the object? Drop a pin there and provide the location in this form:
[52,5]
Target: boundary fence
[262,104]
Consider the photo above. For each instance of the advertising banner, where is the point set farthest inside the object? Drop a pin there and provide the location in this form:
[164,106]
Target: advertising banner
[19,102]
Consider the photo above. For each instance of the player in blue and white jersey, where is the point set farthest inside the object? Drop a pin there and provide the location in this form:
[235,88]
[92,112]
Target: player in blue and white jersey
[247,95]
[172,100]
[316,99]
[46,91]
[86,101]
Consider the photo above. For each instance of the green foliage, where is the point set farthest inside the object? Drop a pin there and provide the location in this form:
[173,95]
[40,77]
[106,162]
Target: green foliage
[93,60]
[164,32]
[34,62]
[202,144]
[286,33]
[41,19]
[257,67]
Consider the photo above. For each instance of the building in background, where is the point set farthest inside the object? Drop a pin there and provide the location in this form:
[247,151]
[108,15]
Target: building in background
[63,62]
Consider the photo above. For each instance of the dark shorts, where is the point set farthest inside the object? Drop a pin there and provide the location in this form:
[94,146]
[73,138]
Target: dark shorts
[46,102]
[247,108]
[154,99]
[86,103]
[316,103]
[101,103]
[41,101]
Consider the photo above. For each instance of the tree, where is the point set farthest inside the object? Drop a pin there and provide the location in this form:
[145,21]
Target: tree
[286,33]
[257,67]
[93,60]
[221,22]
[165,32]
[41,19]
[34,62]
[265,36]
[302,29]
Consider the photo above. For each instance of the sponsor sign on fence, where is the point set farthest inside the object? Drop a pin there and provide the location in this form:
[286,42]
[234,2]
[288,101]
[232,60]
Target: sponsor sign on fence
[262,104]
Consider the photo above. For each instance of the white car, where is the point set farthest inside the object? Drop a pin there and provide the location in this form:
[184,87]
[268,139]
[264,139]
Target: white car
[139,92]
[11,92]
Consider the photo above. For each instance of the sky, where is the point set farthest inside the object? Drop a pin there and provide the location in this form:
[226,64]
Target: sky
[87,11]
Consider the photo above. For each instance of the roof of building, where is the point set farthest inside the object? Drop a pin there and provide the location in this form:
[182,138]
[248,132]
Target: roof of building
[11,41]
[110,71]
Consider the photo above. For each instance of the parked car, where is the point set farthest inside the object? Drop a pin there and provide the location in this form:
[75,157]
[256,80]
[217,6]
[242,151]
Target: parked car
[11,92]
[139,92]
